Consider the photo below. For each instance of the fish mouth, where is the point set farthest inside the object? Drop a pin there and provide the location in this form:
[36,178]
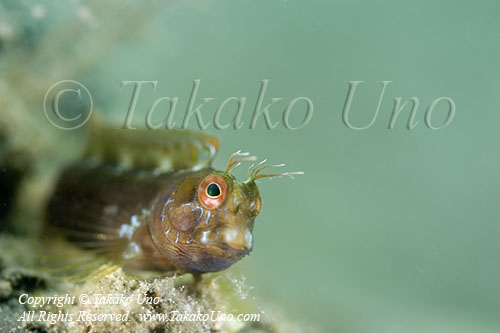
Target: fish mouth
[242,251]
[229,239]
[239,240]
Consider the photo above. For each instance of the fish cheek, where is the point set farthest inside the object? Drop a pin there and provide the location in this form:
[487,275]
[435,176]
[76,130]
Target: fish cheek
[185,218]
[172,229]
[189,254]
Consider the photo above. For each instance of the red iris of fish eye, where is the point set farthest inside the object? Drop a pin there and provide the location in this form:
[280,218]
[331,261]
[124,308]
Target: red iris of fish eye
[212,191]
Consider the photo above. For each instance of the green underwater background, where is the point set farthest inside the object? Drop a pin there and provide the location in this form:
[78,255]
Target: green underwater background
[394,226]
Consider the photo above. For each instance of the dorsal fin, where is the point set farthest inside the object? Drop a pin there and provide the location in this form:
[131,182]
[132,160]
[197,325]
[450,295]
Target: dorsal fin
[156,150]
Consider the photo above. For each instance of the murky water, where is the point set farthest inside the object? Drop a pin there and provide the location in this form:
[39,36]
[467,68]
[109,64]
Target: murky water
[390,109]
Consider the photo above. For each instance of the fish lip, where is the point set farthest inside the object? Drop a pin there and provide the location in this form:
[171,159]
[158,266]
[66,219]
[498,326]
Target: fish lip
[238,251]
[229,247]
[240,248]
[234,242]
[245,251]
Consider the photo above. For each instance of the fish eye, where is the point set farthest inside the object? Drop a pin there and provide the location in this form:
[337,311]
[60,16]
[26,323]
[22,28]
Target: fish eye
[212,191]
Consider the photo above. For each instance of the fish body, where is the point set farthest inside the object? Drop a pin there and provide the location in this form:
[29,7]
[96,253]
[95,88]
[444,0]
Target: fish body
[153,201]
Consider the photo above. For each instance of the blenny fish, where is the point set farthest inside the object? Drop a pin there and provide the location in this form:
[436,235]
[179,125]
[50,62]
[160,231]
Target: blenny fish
[150,200]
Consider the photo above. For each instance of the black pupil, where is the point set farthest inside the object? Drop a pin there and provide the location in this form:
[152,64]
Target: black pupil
[213,190]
